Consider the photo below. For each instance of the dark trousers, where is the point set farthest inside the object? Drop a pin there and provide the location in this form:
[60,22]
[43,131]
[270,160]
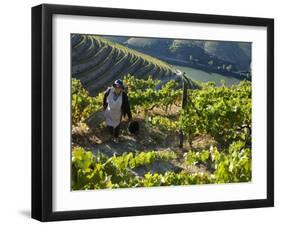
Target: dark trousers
[114,131]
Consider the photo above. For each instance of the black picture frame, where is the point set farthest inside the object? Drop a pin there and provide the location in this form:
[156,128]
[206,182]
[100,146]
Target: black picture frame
[42,111]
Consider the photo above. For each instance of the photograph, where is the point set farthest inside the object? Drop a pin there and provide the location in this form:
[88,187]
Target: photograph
[158,111]
[130,106]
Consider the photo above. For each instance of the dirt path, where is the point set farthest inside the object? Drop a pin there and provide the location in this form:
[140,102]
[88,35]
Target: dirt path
[98,141]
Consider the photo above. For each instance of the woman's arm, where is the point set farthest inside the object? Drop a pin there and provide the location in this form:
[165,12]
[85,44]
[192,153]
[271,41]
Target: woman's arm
[126,110]
[106,92]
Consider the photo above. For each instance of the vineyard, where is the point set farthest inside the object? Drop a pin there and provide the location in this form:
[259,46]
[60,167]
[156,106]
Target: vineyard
[215,124]
[97,61]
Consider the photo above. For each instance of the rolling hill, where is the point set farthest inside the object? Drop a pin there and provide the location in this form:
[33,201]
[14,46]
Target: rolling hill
[219,53]
[97,62]
[231,52]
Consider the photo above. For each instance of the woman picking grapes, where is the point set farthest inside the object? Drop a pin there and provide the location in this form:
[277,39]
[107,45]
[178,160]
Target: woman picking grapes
[115,105]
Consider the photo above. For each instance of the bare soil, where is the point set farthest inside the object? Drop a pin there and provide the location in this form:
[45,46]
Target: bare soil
[98,139]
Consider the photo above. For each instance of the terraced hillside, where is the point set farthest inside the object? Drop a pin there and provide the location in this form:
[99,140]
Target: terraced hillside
[219,52]
[97,62]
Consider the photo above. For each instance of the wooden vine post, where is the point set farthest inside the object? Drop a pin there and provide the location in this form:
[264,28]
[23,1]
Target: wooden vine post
[184,103]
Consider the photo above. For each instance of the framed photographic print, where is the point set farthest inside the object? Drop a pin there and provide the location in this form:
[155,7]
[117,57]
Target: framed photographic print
[146,112]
